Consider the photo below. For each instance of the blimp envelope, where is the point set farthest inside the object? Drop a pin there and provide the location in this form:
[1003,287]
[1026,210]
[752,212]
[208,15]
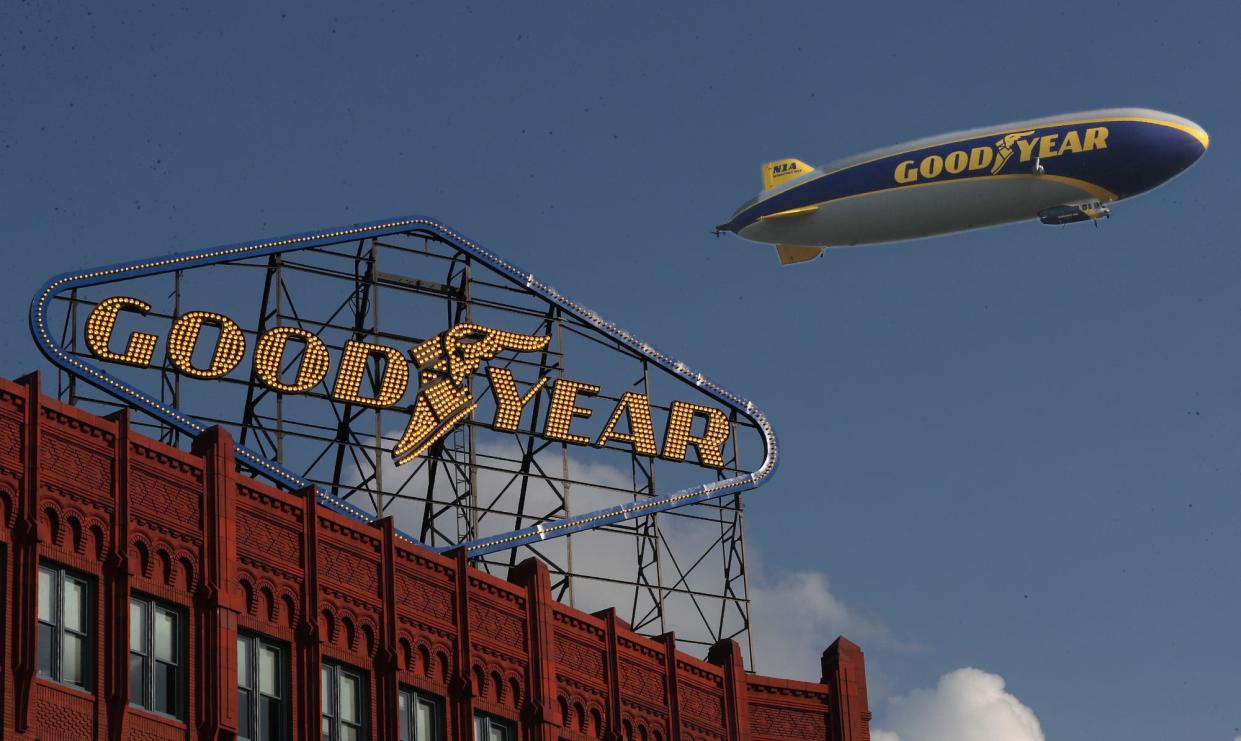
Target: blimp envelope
[1058,169]
[400,368]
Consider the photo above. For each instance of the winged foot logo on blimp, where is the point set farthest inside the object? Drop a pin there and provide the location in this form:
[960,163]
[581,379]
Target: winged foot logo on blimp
[1004,149]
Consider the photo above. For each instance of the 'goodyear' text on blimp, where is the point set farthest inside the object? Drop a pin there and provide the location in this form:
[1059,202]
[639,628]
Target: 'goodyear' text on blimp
[1024,144]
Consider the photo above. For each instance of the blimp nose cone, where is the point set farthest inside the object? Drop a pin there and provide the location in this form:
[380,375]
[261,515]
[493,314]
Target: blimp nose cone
[1164,149]
[1194,142]
[1200,137]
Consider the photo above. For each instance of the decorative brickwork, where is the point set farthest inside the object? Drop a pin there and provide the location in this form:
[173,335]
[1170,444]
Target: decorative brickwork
[496,624]
[421,598]
[164,500]
[69,460]
[642,683]
[130,514]
[59,715]
[10,438]
[768,720]
[579,656]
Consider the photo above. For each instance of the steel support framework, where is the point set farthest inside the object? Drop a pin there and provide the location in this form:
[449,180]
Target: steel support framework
[687,568]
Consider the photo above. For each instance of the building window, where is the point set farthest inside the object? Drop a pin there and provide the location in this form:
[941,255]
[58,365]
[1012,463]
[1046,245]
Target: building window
[490,728]
[261,690]
[421,716]
[343,695]
[156,657]
[65,626]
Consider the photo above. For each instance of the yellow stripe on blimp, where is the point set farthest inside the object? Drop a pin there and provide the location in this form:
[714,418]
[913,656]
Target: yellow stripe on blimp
[1100,193]
[1203,138]
[1103,194]
[1193,131]
[790,212]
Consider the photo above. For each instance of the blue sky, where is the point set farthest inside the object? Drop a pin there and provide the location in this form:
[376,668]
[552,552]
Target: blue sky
[1017,449]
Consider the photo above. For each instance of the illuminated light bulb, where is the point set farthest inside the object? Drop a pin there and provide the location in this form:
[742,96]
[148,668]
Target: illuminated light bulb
[353,367]
[678,437]
[182,339]
[641,433]
[564,408]
[269,353]
[509,402]
[140,346]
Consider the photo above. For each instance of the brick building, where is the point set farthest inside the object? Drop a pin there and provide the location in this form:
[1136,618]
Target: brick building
[234,610]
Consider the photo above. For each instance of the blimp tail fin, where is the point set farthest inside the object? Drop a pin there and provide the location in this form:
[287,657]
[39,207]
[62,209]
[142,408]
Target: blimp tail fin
[794,253]
[781,171]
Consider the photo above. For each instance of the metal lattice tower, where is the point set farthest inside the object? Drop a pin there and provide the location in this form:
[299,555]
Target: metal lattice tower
[681,570]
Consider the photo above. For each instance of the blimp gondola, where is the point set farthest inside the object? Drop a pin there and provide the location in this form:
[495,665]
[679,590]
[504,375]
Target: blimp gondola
[1059,169]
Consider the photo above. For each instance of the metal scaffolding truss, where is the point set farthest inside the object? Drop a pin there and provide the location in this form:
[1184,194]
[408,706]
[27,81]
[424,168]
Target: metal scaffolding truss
[682,569]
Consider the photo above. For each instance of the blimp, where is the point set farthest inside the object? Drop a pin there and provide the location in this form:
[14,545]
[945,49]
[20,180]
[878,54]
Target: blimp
[1059,170]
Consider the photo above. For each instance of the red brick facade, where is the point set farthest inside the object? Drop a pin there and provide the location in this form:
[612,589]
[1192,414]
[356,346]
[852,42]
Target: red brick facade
[234,554]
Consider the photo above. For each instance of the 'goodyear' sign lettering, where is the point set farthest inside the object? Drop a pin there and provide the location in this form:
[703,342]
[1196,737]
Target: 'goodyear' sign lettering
[443,366]
[992,159]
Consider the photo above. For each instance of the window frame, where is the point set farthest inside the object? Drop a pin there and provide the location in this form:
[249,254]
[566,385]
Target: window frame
[484,722]
[59,575]
[407,723]
[330,707]
[150,606]
[255,643]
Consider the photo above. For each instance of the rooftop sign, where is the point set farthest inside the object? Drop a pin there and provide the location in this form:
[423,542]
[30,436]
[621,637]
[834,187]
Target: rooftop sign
[483,352]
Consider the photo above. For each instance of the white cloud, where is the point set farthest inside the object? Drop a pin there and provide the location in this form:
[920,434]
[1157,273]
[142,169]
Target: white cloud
[796,616]
[965,705]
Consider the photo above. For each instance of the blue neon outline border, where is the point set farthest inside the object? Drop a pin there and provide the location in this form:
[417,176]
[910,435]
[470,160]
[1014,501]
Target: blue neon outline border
[543,531]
